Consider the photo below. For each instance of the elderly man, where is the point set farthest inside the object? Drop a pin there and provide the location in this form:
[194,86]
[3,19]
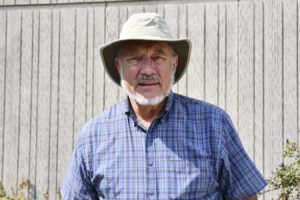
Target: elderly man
[156,144]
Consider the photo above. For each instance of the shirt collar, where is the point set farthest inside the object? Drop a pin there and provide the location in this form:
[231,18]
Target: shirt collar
[169,103]
[128,109]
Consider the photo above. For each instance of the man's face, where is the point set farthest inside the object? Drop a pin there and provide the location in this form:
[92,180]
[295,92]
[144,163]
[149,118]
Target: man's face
[144,60]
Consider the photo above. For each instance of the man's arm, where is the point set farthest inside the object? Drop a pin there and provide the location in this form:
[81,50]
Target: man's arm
[76,184]
[234,181]
[254,197]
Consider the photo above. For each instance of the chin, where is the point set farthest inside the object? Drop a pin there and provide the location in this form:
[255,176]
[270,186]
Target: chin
[149,101]
[144,100]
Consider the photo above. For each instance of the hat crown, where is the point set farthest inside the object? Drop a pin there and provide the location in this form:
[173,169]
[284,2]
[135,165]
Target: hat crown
[146,26]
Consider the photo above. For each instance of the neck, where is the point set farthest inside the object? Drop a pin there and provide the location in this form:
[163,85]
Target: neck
[147,113]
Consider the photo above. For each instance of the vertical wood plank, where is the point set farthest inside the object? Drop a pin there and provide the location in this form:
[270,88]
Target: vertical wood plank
[62,1]
[182,33]
[123,18]
[150,8]
[12,95]
[75,1]
[132,8]
[232,62]
[2,85]
[273,112]
[298,64]
[99,72]
[90,63]
[171,17]
[8,2]
[160,9]
[44,1]
[246,78]
[112,30]
[34,97]
[66,88]
[21,2]
[290,70]
[258,89]
[211,51]
[43,115]
[80,64]
[25,96]
[195,72]
[33,2]
[55,53]
[222,55]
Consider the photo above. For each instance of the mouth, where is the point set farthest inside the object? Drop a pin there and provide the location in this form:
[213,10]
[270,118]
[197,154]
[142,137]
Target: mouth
[148,84]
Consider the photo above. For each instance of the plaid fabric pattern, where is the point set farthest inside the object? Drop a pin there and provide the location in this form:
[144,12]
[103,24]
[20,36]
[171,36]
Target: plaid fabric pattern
[191,151]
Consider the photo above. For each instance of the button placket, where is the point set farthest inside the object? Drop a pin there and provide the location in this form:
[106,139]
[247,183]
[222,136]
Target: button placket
[150,169]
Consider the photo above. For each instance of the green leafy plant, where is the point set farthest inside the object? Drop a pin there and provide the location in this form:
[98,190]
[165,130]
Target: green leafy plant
[287,176]
[58,194]
[19,195]
[15,195]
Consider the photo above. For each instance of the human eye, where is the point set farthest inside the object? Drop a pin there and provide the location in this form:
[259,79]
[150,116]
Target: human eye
[158,58]
[133,59]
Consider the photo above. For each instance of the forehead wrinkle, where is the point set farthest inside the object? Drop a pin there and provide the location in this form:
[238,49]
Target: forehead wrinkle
[130,52]
[160,51]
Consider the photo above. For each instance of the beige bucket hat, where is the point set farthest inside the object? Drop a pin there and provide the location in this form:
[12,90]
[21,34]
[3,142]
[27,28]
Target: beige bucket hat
[145,26]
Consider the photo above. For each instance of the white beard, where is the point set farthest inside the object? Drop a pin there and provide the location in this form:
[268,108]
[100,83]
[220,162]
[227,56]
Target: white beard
[148,101]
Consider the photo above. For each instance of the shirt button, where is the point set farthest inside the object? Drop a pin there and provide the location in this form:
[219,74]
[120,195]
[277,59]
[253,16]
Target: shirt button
[148,135]
[150,163]
[151,193]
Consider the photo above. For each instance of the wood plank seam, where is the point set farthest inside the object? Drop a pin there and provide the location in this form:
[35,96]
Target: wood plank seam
[4,100]
[20,95]
[253,51]
[58,98]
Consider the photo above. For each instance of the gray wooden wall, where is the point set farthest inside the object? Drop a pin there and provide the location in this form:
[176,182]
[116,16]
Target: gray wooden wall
[245,58]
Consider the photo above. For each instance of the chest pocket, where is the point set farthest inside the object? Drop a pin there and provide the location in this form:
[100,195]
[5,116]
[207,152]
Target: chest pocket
[120,181]
[190,178]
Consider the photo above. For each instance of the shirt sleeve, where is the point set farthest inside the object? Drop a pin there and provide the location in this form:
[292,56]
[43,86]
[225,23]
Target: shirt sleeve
[76,184]
[239,178]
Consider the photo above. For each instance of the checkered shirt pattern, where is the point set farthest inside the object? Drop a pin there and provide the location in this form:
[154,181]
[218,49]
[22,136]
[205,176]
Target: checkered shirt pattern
[191,151]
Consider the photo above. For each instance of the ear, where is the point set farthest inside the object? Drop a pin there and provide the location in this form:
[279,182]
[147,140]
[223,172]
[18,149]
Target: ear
[117,64]
[175,63]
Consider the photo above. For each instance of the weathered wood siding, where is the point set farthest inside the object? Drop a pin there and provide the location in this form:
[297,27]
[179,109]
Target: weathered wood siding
[245,58]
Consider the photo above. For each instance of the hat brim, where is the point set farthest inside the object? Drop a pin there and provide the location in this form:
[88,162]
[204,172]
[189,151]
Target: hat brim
[109,52]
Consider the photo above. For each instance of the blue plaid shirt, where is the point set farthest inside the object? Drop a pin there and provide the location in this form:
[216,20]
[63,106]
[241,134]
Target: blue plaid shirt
[191,151]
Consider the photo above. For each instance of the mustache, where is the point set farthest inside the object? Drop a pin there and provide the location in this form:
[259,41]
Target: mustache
[144,77]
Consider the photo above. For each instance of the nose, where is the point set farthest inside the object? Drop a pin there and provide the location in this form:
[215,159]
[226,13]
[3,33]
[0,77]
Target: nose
[147,66]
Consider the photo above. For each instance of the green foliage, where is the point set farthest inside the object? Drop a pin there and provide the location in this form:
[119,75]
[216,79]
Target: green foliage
[58,194]
[15,195]
[287,176]
[24,185]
